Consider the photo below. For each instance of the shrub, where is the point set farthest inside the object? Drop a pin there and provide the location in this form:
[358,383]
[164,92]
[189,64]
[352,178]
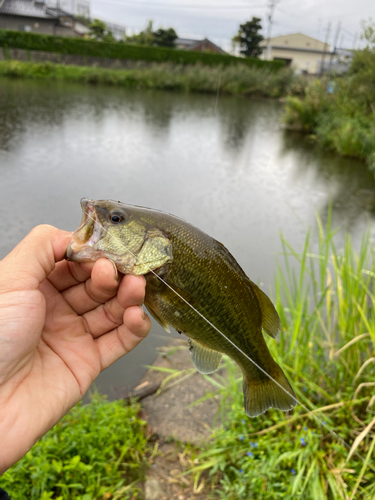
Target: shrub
[91,48]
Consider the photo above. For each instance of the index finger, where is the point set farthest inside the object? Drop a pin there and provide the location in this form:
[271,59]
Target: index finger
[33,259]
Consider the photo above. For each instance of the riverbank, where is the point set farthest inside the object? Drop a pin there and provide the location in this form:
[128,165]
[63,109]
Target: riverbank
[323,449]
[231,80]
[342,119]
[339,113]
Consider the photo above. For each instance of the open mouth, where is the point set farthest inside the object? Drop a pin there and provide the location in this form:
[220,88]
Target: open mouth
[87,235]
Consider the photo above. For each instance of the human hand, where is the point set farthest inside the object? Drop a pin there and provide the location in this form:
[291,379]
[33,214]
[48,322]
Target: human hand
[61,324]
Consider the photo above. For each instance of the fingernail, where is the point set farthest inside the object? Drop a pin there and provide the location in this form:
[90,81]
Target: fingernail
[143,314]
[116,271]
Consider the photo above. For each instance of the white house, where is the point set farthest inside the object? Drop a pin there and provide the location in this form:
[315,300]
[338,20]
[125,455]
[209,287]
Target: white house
[301,52]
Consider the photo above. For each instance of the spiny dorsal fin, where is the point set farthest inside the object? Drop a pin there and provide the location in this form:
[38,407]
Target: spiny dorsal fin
[270,319]
[205,360]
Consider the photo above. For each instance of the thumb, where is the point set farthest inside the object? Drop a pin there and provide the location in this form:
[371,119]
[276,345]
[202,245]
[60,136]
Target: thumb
[33,259]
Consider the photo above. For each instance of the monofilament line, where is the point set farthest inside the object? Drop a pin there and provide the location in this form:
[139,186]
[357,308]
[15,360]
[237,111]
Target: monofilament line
[331,431]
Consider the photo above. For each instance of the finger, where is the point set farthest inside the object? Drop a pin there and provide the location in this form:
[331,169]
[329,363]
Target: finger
[33,259]
[108,316]
[101,287]
[104,318]
[132,291]
[123,339]
[67,274]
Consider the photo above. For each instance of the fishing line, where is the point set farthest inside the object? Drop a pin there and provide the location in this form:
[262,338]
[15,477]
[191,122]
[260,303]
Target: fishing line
[320,421]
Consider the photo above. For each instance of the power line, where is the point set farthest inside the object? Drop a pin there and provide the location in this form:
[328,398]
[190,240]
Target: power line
[187,6]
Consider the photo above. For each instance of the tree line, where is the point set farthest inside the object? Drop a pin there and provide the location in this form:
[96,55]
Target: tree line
[247,39]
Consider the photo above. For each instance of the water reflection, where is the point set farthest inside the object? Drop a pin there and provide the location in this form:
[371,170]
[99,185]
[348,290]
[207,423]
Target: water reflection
[351,184]
[225,166]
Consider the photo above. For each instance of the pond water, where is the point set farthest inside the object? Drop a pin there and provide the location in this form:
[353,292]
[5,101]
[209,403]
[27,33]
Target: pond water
[225,165]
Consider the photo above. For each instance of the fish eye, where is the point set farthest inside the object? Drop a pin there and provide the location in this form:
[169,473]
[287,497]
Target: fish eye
[116,217]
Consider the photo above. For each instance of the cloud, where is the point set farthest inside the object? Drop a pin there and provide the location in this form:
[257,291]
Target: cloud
[221,18]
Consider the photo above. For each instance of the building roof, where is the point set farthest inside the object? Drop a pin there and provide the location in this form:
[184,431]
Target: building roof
[27,8]
[186,42]
[297,41]
[190,44]
[31,8]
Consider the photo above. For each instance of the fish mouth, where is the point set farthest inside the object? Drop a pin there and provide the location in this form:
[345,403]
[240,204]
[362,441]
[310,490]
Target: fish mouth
[81,247]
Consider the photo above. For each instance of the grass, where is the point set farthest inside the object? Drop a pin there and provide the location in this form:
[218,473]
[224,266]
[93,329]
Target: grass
[95,452]
[235,79]
[343,120]
[324,448]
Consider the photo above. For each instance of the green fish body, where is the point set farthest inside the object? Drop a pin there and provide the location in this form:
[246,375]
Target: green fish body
[197,274]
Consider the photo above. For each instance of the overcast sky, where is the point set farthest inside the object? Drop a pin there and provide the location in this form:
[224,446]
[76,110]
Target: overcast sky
[219,19]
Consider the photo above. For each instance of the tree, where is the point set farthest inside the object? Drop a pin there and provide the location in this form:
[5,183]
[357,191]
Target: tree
[161,37]
[165,38]
[98,31]
[368,34]
[145,37]
[248,38]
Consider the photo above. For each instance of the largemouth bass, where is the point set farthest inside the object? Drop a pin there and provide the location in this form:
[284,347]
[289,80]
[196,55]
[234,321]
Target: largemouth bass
[197,270]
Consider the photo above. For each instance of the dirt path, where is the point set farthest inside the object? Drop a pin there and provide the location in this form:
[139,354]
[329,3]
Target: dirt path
[172,423]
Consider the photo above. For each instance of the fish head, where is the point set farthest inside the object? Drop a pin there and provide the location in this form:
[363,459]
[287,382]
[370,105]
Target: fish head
[113,230]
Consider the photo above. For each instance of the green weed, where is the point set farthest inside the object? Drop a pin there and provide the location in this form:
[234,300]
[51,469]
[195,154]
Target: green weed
[95,451]
[344,120]
[235,79]
[324,448]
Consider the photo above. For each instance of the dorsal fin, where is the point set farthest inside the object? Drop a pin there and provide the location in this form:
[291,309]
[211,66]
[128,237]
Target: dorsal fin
[270,319]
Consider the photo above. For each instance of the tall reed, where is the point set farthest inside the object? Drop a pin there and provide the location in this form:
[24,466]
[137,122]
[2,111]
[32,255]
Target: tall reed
[234,79]
[324,447]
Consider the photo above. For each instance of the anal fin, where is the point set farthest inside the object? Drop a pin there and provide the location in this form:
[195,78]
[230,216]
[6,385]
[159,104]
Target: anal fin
[205,360]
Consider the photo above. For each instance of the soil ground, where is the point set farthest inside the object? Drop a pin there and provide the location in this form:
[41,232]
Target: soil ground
[173,423]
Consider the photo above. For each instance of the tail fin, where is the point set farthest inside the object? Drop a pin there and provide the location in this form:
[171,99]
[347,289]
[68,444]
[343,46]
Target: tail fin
[262,395]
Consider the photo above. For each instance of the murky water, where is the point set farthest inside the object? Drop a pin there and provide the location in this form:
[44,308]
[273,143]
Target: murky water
[226,166]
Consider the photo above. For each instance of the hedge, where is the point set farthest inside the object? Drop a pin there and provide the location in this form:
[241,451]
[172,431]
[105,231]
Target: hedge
[92,48]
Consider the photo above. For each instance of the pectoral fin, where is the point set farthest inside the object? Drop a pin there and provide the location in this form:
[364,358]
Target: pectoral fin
[205,360]
[270,319]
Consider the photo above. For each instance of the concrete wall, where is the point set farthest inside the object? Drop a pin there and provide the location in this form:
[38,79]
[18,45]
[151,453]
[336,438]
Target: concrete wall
[74,60]
[34,25]
[302,61]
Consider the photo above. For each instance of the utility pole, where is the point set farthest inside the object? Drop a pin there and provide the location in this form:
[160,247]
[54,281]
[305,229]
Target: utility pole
[272,6]
[334,46]
[325,48]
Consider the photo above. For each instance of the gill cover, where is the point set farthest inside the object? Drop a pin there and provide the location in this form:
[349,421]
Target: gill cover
[110,229]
